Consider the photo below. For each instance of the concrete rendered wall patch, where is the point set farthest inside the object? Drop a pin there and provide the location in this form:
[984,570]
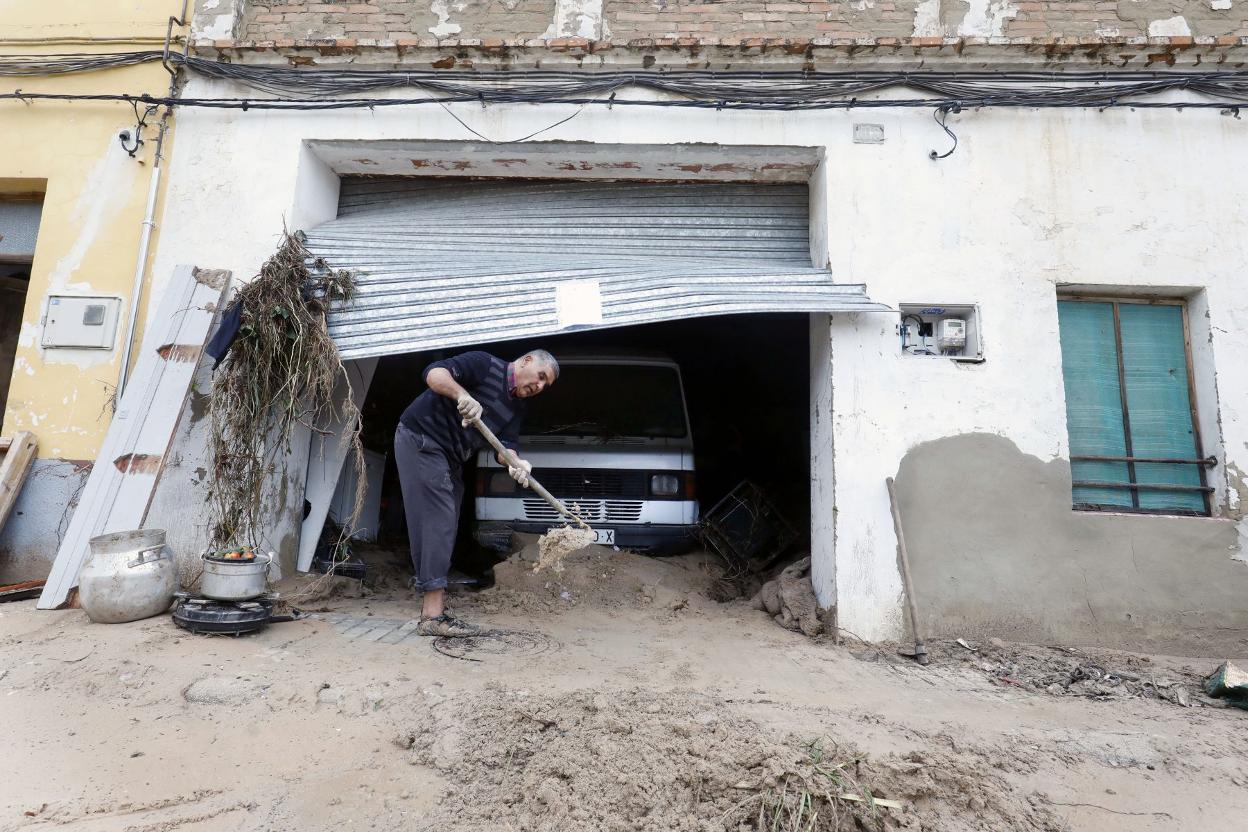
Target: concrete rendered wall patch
[1002,553]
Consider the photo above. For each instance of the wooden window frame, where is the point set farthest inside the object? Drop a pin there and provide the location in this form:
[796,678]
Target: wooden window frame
[1202,462]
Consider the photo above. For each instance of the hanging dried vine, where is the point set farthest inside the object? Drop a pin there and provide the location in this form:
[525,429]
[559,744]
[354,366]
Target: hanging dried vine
[281,373]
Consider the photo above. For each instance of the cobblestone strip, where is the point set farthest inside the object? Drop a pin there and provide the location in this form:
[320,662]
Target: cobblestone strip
[382,630]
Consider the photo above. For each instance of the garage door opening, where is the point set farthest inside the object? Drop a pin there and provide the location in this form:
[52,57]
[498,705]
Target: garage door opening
[713,280]
[745,386]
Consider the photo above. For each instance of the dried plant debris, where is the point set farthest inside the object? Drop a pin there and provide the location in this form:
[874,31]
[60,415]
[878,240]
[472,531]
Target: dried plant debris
[684,761]
[281,372]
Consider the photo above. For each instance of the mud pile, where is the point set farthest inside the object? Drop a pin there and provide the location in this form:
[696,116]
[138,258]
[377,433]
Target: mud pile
[555,546]
[600,577]
[1069,671]
[682,761]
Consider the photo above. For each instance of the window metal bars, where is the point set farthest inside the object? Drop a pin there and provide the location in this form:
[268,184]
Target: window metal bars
[1141,486]
[1208,462]
[1130,459]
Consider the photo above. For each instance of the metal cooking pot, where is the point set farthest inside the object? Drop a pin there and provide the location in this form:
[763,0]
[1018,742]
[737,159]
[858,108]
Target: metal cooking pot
[129,575]
[227,579]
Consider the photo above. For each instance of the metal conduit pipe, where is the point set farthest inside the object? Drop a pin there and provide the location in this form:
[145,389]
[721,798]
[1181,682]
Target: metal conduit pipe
[145,242]
[149,215]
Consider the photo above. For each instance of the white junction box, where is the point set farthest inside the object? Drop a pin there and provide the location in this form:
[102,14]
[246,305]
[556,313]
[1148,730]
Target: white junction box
[81,322]
[941,330]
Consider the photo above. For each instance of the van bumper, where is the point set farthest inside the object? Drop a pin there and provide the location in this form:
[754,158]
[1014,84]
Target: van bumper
[649,538]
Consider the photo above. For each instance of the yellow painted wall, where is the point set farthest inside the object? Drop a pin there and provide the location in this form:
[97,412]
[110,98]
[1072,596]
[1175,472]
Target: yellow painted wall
[110,22]
[94,201]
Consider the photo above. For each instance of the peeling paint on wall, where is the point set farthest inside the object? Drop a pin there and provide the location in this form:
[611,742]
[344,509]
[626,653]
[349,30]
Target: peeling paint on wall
[986,18]
[577,19]
[115,174]
[28,337]
[216,19]
[444,27]
[1171,27]
[1236,502]
[981,18]
[927,22]
[1179,18]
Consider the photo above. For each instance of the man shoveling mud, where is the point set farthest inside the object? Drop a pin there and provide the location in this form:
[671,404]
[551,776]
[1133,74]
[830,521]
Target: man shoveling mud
[431,445]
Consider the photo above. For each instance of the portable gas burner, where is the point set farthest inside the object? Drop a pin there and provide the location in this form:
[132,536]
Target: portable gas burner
[206,615]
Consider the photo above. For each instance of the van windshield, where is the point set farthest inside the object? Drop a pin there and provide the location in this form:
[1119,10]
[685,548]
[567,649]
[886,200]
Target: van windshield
[607,401]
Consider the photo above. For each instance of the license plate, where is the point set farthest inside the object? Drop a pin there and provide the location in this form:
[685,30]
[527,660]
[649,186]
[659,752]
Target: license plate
[604,536]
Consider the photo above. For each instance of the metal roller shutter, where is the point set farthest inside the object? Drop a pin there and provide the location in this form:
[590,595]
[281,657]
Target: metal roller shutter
[445,263]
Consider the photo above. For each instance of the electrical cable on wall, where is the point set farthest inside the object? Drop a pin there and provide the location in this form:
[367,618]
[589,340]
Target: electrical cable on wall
[941,114]
[286,104]
[315,89]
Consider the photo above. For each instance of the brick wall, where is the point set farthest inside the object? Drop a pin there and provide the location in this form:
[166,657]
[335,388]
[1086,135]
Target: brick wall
[395,19]
[623,20]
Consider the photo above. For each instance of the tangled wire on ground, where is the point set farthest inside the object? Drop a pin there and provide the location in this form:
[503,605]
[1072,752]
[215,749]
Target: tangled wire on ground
[281,372]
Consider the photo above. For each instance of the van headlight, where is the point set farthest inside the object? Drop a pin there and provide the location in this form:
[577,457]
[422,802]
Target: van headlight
[502,483]
[664,485]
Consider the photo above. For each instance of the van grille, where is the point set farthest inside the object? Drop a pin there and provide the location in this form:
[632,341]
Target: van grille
[582,483]
[591,511]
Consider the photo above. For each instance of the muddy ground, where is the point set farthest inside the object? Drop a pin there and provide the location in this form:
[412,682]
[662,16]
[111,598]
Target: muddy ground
[618,696]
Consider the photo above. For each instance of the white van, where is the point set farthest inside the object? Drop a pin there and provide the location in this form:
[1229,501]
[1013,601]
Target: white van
[611,440]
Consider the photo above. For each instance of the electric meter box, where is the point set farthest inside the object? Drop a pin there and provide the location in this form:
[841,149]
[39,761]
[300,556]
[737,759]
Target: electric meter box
[81,322]
[950,335]
[941,330]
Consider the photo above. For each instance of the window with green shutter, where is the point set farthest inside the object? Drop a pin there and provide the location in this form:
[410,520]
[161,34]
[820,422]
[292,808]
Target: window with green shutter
[1129,407]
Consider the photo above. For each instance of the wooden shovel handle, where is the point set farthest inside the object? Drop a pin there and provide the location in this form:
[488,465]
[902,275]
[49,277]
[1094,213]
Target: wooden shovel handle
[514,462]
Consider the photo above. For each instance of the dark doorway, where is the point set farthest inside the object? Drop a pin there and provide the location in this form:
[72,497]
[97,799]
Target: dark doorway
[19,224]
[746,380]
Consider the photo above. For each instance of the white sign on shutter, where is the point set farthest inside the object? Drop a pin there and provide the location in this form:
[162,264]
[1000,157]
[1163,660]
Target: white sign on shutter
[578,303]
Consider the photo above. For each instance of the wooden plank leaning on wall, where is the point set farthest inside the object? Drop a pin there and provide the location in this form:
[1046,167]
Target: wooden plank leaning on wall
[19,455]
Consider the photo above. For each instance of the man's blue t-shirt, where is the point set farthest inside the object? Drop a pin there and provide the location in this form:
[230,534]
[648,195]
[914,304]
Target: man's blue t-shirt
[485,379]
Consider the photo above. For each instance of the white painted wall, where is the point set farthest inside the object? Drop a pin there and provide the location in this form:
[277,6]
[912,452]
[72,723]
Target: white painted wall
[1030,200]
[822,460]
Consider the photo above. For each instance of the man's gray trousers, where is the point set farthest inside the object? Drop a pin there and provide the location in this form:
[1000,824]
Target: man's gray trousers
[433,487]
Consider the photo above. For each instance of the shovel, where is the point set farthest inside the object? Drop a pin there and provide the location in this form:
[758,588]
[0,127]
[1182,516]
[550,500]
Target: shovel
[513,461]
[920,647]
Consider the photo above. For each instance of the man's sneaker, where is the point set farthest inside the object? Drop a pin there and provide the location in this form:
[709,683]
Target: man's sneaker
[445,625]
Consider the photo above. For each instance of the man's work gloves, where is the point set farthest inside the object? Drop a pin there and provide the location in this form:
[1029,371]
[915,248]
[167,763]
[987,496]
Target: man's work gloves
[521,474]
[469,408]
